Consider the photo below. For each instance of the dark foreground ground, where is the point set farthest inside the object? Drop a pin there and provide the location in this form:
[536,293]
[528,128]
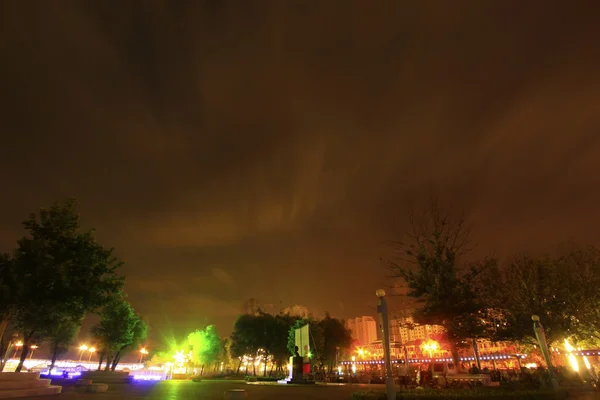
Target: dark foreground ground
[213,390]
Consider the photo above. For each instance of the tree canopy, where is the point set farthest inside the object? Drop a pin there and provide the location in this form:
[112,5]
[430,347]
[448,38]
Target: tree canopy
[205,345]
[431,263]
[59,272]
[561,289]
[274,336]
[119,328]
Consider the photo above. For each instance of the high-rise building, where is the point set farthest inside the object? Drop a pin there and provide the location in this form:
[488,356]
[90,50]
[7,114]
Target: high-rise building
[364,330]
[404,330]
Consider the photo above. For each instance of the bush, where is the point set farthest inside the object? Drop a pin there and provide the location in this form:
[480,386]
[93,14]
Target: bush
[453,394]
[266,379]
[196,379]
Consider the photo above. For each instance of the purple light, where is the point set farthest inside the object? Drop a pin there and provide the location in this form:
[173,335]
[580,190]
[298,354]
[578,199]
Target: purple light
[147,377]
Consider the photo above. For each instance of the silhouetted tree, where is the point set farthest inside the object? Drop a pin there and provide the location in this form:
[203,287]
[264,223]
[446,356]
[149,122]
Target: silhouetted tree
[560,289]
[116,329]
[336,338]
[61,336]
[62,273]
[430,262]
[246,337]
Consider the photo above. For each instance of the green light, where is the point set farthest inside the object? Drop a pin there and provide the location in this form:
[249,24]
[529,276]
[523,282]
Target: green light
[310,354]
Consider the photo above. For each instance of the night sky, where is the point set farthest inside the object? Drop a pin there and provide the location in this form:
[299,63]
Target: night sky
[268,149]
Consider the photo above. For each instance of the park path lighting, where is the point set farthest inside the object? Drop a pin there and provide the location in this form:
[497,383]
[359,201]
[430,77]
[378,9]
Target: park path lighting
[540,334]
[18,345]
[92,350]
[390,386]
[32,347]
[143,353]
[572,359]
[82,348]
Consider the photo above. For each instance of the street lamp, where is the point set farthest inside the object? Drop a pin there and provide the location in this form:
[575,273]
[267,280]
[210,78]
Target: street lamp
[540,335]
[82,348]
[390,386]
[32,347]
[18,345]
[143,352]
[92,350]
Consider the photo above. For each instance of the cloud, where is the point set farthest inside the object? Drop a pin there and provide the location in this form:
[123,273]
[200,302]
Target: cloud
[287,155]
[223,277]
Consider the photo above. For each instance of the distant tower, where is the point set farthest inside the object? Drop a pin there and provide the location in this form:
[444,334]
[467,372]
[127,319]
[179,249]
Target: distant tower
[250,307]
[364,329]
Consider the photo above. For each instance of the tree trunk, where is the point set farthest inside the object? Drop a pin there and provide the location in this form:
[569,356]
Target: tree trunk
[454,352]
[117,358]
[5,358]
[238,368]
[253,368]
[3,325]
[202,370]
[100,359]
[265,369]
[24,352]
[54,355]
[108,360]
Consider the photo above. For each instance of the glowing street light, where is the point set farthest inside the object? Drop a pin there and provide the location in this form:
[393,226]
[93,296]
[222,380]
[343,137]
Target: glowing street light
[32,347]
[143,352]
[18,345]
[431,347]
[82,348]
[92,350]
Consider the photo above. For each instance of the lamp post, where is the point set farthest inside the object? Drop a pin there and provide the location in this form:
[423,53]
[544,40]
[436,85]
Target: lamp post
[18,345]
[92,350]
[540,334]
[390,386]
[82,348]
[143,352]
[32,347]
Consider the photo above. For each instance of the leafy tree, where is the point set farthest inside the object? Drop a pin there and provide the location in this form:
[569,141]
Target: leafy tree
[205,345]
[9,284]
[246,337]
[561,290]
[279,340]
[225,353]
[140,334]
[439,279]
[61,336]
[116,330]
[62,273]
[336,338]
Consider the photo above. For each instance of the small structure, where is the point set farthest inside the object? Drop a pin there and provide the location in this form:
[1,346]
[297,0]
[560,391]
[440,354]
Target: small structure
[299,376]
[25,384]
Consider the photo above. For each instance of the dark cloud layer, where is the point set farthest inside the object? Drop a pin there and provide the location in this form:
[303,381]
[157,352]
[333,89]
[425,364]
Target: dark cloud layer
[262,149]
